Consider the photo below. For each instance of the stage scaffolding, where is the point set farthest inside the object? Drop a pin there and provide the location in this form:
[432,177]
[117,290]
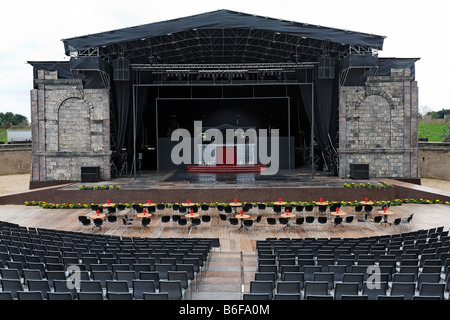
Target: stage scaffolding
[224,75]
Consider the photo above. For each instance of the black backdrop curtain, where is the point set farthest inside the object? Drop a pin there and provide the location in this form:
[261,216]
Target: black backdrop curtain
[325,116]
[125,109]
[123,103]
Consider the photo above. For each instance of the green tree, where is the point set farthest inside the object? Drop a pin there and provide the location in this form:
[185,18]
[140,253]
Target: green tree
[14,119]
[442,113]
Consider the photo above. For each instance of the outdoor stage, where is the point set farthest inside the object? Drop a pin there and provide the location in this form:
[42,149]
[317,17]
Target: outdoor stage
[178,185]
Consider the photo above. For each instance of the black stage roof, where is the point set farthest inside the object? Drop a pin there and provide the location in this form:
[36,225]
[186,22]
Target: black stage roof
[223,36]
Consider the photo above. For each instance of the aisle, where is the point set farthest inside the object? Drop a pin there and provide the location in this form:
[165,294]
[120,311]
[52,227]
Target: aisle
[228,276]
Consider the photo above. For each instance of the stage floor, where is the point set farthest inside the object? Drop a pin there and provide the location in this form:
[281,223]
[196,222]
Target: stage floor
[189,180]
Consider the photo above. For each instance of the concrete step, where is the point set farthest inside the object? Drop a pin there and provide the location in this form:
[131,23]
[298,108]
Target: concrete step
[229,273]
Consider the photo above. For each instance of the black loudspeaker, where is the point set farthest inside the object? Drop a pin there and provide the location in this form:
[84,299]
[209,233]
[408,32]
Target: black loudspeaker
[326,68]
[90,174]
[359,171]
[121,70]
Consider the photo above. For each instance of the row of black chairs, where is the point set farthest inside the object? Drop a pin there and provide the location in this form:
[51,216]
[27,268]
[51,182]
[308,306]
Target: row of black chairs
[412,265]
[45,256]
[140,289]
[320,290]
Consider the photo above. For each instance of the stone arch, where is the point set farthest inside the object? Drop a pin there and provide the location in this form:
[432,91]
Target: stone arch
[375,92]
[74,124]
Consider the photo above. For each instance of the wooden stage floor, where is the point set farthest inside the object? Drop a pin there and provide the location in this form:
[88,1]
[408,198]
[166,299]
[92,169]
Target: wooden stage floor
[426,216]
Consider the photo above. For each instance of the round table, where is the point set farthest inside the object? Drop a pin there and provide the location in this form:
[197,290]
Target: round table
[288,216]
[242,217]
[280,203]
[190,216]
[235,204]
[100,216]
[188,204]
[338,213]
[322,203]
[370,203]
[149,204]
[144,215]
[386,214]
[108,205]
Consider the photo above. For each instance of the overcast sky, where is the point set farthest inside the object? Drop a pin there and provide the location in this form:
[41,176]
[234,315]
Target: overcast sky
[33,30]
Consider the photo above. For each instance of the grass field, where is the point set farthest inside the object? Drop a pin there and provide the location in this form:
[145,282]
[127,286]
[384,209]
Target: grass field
[433,131]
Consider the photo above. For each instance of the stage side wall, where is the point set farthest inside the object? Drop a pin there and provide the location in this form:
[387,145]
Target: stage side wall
[378,126]
[70,130]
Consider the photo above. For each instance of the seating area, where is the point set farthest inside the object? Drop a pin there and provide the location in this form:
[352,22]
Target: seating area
[46,264]
[408,266]
[245,217]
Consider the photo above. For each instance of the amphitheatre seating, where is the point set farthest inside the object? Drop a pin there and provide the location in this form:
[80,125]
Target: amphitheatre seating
[126,261]
[404,262]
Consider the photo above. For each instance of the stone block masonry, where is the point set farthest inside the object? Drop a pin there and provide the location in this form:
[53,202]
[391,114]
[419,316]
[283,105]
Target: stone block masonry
[378,125]
[69,130]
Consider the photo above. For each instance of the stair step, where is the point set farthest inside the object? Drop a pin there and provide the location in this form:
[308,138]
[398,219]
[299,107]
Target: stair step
[228,273]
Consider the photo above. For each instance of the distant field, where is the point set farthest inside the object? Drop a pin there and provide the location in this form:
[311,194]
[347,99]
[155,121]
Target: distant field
[433,131]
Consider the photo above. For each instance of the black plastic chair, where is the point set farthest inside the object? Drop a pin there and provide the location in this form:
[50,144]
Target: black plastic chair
[264,287]
[233,221]
[405,289]
[112,218]
[322,220]
[271,222]
[299,221]
[98,222]
[248,224]
[172,288]
[59,296]
[316,288]
[156,296]
[377,219]
[223,217]
[288,287]
[206,219]
[255,296]
[432,290]
[338,221]
[195,222]
[345,288]
[309,219]
[145,222]
[29,295]
[182,223]
[165,219]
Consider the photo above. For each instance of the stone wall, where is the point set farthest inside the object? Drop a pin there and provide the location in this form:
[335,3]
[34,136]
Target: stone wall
[15,159]
[70,129]
[434,160]
[378,125]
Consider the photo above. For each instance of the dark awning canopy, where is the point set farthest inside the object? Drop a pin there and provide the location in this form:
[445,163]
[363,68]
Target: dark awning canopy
[224,36]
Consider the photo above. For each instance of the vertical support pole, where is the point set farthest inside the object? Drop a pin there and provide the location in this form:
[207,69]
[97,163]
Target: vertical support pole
[289,132]
[312,130]
[134,131]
